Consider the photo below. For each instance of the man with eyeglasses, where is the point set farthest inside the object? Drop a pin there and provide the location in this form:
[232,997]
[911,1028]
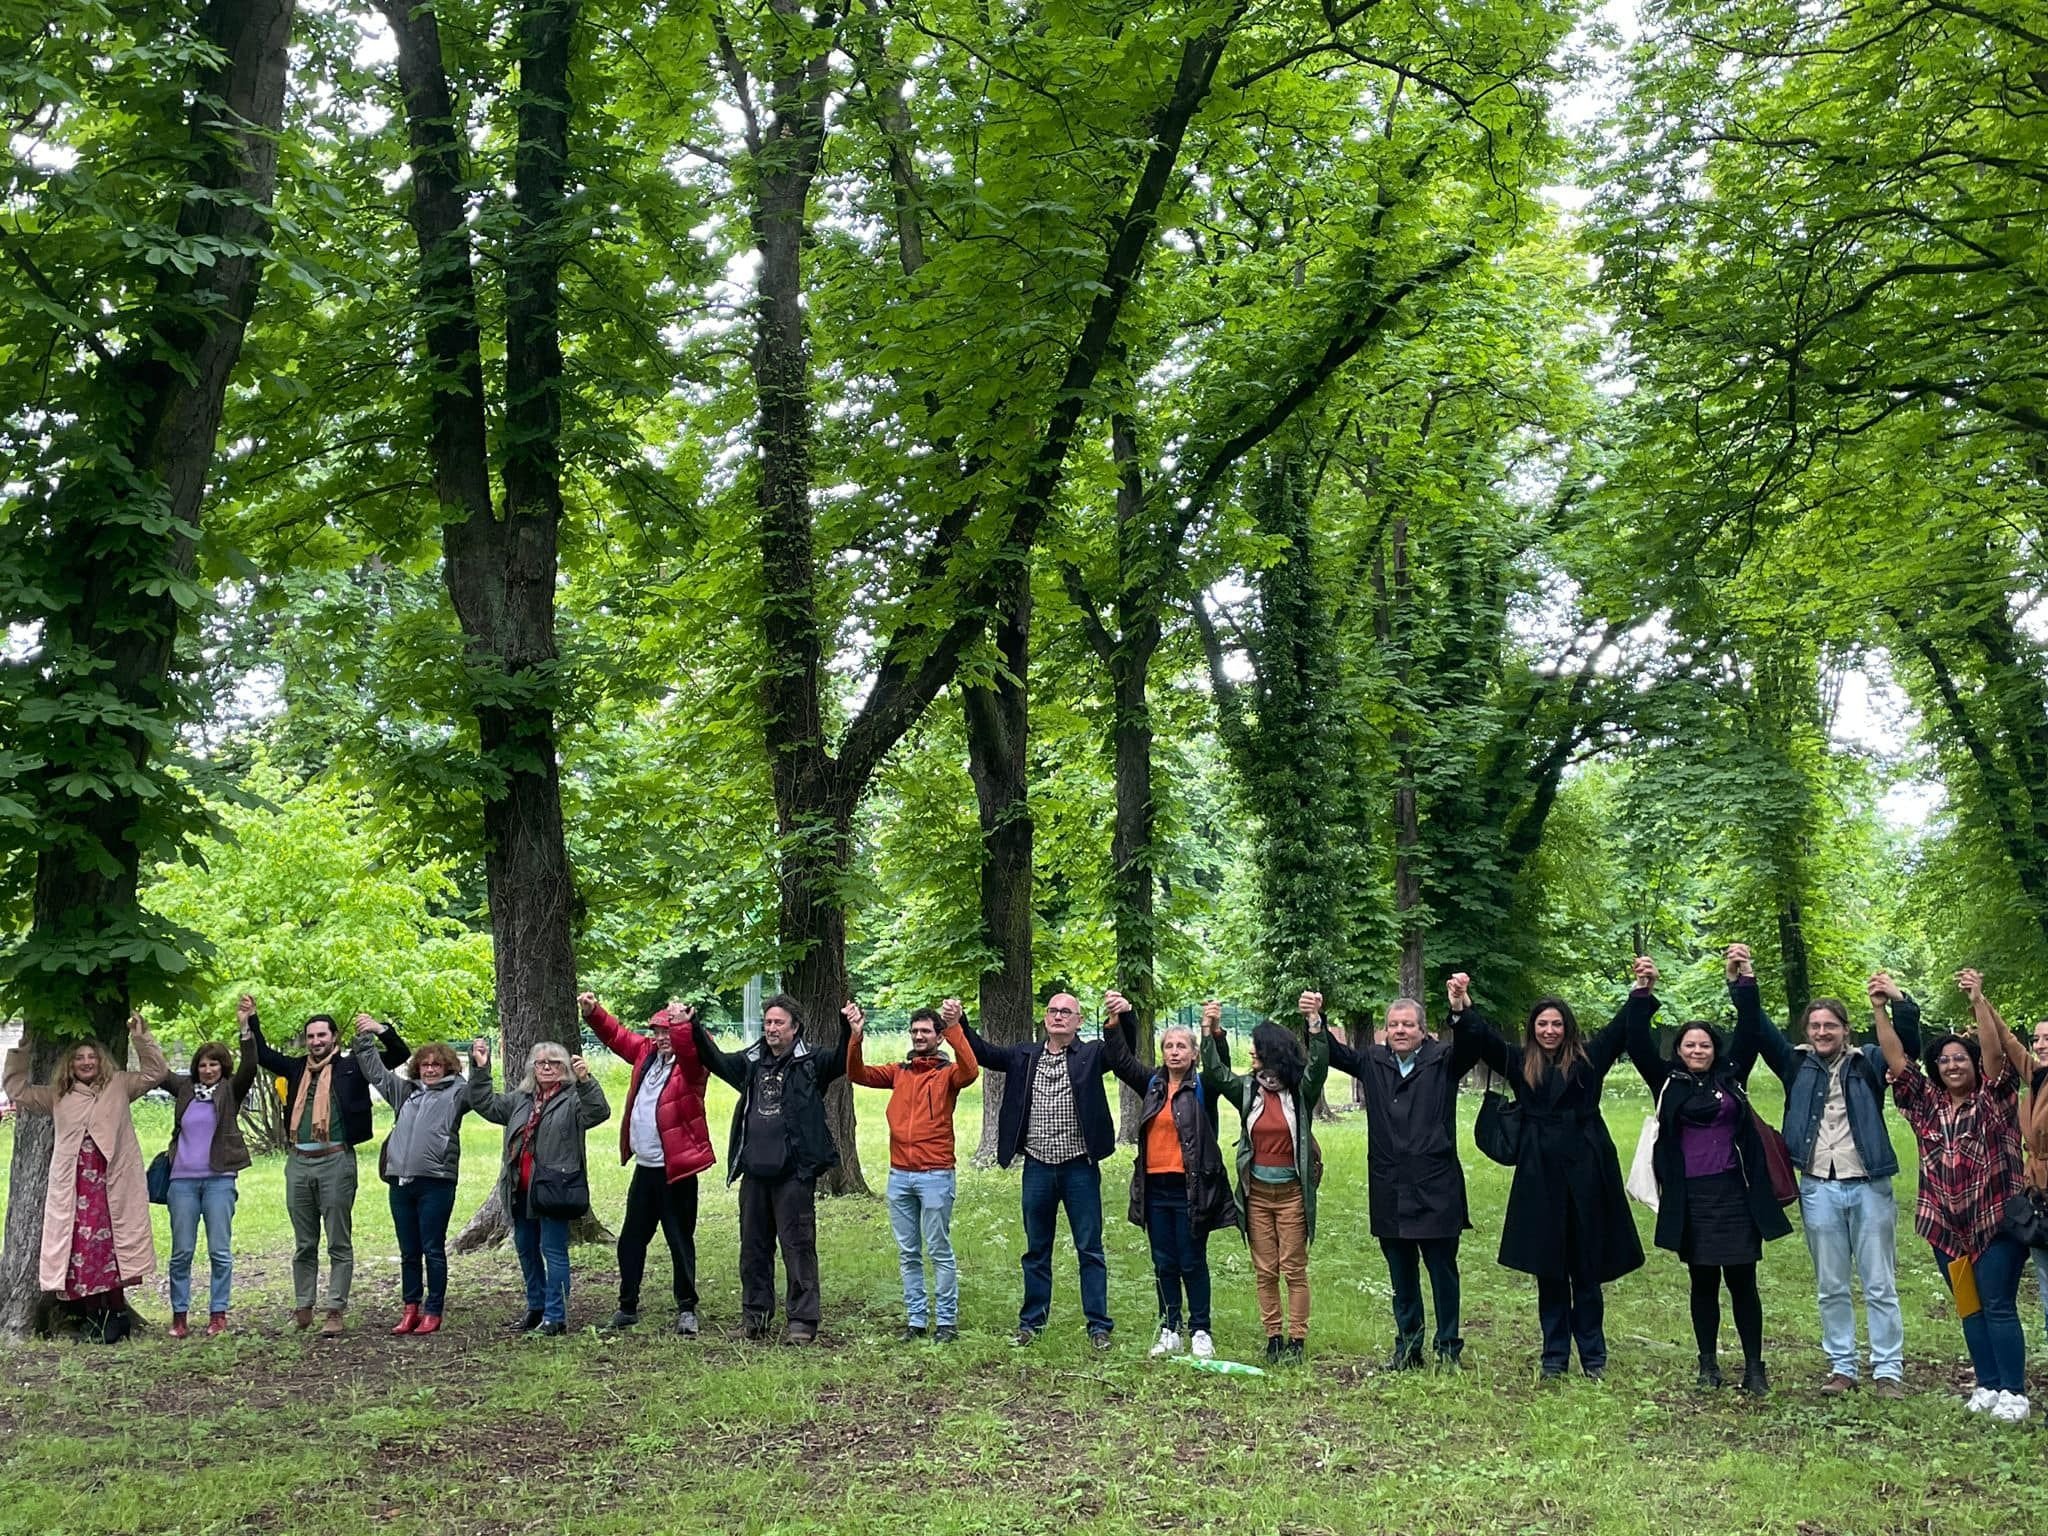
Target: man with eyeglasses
[1055,1111]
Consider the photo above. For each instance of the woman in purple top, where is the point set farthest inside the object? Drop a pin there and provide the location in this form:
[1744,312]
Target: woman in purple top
[1715,1207]
[207,1152]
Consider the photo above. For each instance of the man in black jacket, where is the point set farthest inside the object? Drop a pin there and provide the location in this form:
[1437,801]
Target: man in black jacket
[779,1145]
[1055,1110]
[327,1113]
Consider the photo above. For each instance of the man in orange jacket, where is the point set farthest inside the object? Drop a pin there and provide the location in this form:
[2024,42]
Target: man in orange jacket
[923,1088]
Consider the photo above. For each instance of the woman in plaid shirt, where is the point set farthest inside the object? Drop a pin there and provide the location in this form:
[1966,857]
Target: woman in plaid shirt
[1967,1120]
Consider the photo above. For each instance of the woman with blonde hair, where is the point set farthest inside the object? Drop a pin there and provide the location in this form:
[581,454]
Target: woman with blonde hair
[543,1180]
[96,1233]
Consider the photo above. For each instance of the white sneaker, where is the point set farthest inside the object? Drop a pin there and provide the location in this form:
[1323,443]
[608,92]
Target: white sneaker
[1168,1344]
[1982,1400]
[2011,1408]
[1204,1346]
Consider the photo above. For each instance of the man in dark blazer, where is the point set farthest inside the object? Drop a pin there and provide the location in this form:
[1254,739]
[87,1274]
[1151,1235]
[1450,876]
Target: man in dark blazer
[1055,1112]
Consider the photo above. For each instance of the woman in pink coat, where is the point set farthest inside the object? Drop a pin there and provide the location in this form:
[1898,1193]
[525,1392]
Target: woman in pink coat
[96,1232]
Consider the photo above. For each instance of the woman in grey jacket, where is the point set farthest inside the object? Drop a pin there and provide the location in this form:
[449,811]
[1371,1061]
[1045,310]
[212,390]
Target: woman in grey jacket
[545,1119]
[421,1160]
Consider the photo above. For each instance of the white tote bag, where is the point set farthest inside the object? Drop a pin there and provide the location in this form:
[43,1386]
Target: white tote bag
[1641,1182]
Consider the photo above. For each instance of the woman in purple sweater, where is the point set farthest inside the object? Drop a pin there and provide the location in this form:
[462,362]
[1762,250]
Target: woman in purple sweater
[1715,1206]
[207,1152]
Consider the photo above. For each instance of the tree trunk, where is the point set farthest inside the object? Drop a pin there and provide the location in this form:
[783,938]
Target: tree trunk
[1133,883]
[121,538]
[998,760]
[501,570]
[1792,955]
[813,926]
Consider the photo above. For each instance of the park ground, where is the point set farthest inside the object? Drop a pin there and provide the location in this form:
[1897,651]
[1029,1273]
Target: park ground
[477,1430]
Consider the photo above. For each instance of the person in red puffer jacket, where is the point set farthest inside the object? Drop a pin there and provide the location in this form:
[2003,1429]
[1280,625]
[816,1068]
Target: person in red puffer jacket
[666,1138]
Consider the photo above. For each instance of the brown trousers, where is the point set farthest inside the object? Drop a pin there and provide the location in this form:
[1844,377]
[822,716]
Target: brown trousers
[1279,1239]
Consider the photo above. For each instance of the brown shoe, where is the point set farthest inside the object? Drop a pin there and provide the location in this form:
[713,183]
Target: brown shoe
[1890,1388]
[302,1318]
[800,1333]
[331,1329]
[1837,1384]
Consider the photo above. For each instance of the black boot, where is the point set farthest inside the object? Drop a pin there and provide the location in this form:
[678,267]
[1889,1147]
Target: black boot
[1407,1355]
[1710,1374]
[1275,1347]
[526,1322]
[1754,1379]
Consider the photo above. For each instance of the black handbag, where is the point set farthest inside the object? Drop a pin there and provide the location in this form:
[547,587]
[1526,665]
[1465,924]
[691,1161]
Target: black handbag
[1498,1133]
[2026,1218]
[159,1179]
[562,1194]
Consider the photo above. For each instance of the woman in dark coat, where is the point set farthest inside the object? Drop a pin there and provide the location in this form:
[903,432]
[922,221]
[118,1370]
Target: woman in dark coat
[1715,1206]
[1568,1220]
[1180,1192]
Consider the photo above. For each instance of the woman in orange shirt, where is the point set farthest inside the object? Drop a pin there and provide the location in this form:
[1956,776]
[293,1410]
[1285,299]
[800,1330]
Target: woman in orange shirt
[1179,1190]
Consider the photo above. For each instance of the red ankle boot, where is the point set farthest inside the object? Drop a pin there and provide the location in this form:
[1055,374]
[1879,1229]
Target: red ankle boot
[216,1324]
[430,1322]
[410,1321]
[178,1328]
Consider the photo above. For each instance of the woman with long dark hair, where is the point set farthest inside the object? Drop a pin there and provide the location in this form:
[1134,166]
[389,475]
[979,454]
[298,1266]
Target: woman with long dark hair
[1964,1108]
[1716,1208]
[1568,1222]
[1276,1172]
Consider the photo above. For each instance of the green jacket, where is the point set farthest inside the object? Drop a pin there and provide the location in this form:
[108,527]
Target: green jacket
[1244,1092]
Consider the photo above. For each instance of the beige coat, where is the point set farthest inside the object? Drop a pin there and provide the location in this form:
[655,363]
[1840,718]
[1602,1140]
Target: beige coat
[101,1112]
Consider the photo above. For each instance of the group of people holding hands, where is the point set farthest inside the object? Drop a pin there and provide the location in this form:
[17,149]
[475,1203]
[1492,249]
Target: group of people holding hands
[1718,1175]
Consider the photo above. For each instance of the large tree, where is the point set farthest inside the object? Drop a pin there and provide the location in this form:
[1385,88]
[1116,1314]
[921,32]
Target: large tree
[138,229]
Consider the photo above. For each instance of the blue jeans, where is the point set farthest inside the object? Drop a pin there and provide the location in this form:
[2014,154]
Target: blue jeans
[1180,1255]
[921,1212]
[1077,1185]
[2041,1285]
[543,1245]
[420,1209]
[1998,1349]
[211,1198]
[1852,1224]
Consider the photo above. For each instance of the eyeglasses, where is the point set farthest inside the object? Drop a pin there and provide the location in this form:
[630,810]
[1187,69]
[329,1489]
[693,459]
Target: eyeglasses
[547,1066]
[1074,1011]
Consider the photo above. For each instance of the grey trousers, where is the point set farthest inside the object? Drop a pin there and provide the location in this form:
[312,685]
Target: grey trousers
[320,1192]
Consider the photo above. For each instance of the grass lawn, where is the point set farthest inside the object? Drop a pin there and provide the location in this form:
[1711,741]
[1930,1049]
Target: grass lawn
[480,1431]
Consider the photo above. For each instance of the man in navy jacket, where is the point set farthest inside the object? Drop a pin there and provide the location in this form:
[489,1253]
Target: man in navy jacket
[1055,1112]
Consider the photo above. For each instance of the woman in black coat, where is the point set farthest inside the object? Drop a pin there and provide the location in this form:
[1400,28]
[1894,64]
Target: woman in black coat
[1180,1192]
[1715,1206]
[1568,1220]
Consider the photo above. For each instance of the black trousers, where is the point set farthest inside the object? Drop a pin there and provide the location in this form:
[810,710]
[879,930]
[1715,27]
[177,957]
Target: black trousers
[779,1212]
[1406,1258]
[652,1203]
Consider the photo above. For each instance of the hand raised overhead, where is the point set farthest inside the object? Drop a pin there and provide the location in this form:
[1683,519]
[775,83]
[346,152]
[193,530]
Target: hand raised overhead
[855,1019]
[480,1051]
[1458,992]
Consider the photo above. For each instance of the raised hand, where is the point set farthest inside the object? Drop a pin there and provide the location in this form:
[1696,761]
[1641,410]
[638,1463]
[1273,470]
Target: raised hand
[1310,1004]
[135,1025]
[855,1019]
[585,1003]
[951,1013]
[480,1052]
[245,1011]
[581,1068]
[1645,973]
[365,1025]
[1735,959]
[1972,983]
[1114,1003]
[1458,992]
[1212,1017]
[1883,989]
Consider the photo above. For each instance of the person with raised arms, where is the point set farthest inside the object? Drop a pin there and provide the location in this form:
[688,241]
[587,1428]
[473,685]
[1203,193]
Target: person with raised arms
[327,1116]
[1180,1191]
[1054,1112]
[1716,1207]
[1416,1185]
[1568,1223]
[666,1137]
[1964,1109]
[778,1146]
[543,1176]
[207,1155]
[97,1241]
[420,1164]
[1277,1160]
[923,1089]
[1842,1151]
